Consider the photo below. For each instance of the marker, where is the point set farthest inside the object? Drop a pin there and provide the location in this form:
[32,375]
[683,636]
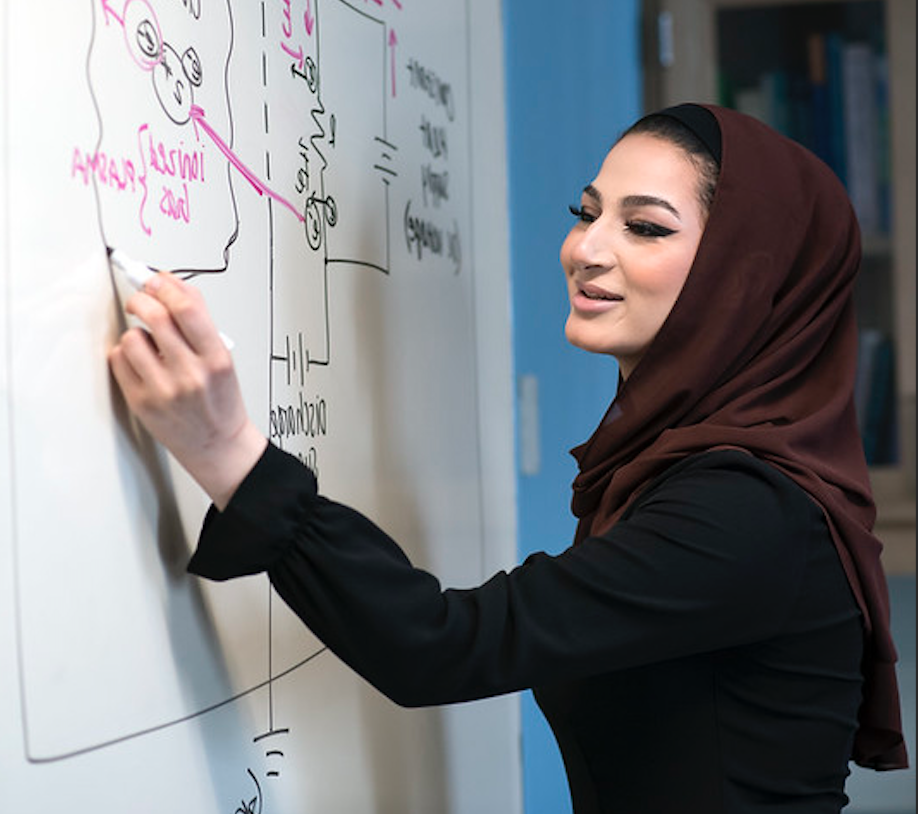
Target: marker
[137,274]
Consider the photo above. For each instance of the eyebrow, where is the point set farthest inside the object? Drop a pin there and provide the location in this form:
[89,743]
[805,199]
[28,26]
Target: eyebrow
[633,200]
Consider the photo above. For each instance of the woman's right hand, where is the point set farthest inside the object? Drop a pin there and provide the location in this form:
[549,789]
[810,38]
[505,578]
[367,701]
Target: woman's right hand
[178,378]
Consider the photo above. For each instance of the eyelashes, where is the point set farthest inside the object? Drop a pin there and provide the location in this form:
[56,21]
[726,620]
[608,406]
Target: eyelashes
[639,228]
[580,214]
[643,228]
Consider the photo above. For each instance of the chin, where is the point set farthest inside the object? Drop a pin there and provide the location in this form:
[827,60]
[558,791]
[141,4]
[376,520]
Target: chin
[585,337]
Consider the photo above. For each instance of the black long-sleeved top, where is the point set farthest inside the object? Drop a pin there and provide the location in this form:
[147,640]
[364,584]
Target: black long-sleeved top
[702,656]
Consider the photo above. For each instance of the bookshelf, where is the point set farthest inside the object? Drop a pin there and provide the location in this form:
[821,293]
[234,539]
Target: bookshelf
[839,76]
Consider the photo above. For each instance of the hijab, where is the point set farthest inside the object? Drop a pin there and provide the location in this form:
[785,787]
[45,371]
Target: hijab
[758,354]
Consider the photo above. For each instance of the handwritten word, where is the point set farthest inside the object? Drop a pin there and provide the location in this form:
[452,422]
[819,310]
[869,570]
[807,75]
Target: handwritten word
[302,174]
[433,138]
[174,205]
[422,235]
[308,419]
[427,81]
[117,173]
[173,161]
[425,236]
[434,184]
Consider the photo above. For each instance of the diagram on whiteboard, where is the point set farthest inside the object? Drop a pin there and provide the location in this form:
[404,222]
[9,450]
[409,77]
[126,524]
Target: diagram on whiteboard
[321,160]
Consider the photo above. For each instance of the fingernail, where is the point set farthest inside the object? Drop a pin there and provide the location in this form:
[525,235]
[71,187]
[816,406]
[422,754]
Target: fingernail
[153,284]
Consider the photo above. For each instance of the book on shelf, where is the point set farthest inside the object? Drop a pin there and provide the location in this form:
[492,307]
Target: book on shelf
[859,78]
[875,397]
[837,106]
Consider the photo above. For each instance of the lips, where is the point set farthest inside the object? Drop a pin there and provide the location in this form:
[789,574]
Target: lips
[594,292]
[591,298]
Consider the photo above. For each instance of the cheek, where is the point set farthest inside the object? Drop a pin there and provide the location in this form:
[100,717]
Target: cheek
[667,277]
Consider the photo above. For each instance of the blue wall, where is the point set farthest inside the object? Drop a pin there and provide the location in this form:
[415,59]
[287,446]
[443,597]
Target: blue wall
[573,83]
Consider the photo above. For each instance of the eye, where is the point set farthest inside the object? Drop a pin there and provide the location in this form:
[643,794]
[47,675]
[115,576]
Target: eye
[582,215]
[643,228]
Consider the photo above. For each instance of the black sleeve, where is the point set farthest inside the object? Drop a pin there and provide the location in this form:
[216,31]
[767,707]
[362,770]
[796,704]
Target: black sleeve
[707,558]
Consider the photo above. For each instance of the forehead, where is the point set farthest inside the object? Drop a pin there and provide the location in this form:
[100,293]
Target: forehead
[642,164]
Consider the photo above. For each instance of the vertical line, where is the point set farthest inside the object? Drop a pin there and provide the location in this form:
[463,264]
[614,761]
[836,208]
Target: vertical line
[287,356]
[232,132]
[271,386]
[270,657]
[302,361]
[388,235]
[271,378]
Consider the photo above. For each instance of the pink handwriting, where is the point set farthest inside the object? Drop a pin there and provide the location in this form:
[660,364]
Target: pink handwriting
[287,28]
[308,20]
[175,205]
[174,161]
[393,41]
[117,174]
[176,165]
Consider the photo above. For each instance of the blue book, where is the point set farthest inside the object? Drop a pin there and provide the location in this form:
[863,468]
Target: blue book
[880,432]
[818,97]
[835,86]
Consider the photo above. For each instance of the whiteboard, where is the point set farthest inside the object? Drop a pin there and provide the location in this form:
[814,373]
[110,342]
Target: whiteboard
[331,174]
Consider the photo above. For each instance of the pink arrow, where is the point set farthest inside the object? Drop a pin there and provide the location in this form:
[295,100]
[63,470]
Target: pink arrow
[308,19]
[393,41]
[197,116]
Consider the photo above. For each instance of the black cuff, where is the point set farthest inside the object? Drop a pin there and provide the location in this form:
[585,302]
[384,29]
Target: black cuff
[261,521]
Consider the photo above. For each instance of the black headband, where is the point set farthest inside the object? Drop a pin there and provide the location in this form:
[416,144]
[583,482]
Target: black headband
[700,121]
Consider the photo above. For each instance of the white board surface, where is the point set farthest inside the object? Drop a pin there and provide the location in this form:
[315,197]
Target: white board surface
[331,175]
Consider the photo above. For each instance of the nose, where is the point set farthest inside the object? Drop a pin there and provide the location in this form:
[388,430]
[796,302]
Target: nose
[590,247]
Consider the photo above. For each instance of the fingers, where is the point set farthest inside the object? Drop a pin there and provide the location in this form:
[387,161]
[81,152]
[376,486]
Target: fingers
[138,369]
[177,353]
[186,309]
[164,336]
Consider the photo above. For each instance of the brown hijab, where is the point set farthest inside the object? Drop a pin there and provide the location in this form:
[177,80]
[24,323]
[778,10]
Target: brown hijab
[759,354]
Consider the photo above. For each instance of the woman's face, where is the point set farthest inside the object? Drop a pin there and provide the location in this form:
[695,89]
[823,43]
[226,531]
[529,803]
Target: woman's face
[630,252]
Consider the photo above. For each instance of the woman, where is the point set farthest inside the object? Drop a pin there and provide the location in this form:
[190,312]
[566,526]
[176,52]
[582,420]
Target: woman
[717,638]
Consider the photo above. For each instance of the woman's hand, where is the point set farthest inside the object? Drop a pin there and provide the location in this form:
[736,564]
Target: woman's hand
[180,381]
